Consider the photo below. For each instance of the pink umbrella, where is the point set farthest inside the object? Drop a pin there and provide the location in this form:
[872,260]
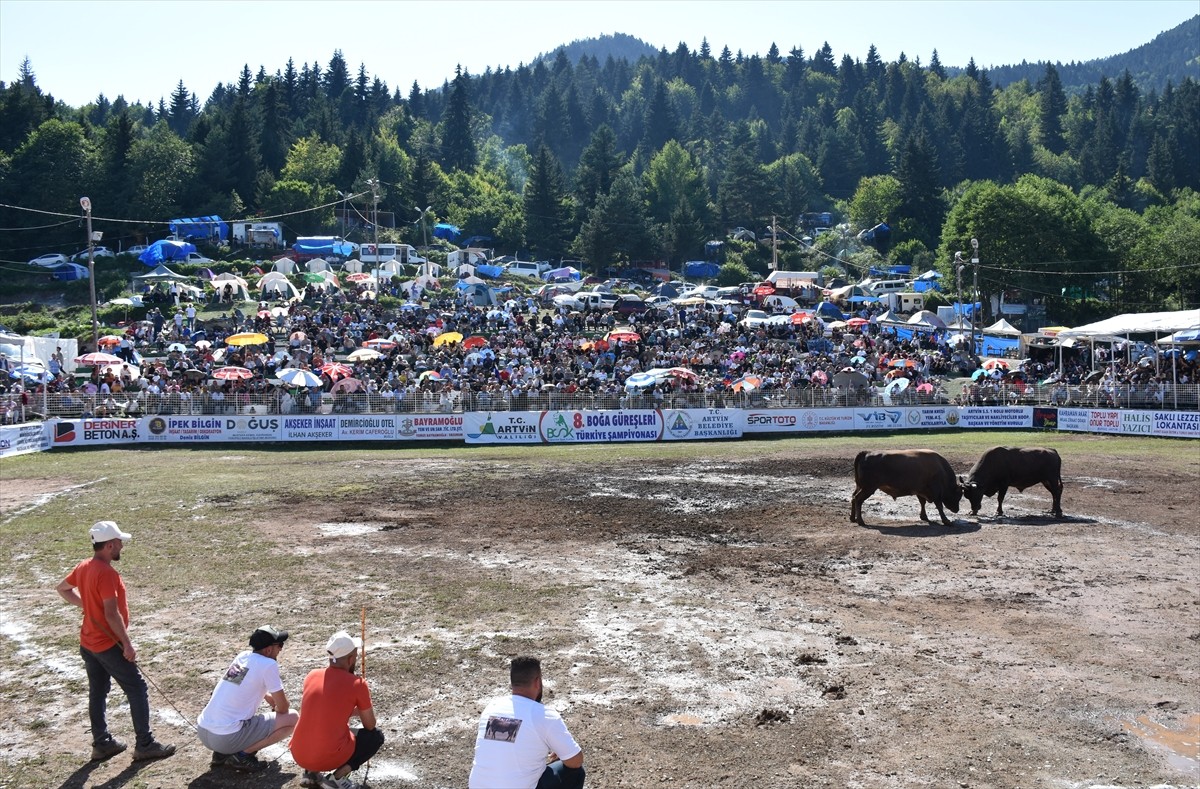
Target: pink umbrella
[925,389]
[820,377]
[232,374]
[346,385]
[98,358]
[683,372]
[336,370]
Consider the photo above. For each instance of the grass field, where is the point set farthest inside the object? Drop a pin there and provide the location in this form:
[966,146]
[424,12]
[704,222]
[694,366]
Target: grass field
[596,557]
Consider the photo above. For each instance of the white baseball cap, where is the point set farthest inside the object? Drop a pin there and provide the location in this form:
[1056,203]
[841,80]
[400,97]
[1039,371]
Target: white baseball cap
[103,531]
[341,644]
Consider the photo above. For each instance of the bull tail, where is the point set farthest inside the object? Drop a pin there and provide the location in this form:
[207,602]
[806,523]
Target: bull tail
[858,459]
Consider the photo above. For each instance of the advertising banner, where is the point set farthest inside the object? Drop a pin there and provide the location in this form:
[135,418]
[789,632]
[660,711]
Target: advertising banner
[1106,421]
[501,427]
[696,424]
[879,418]
[80,432]
[175,429]
[932,417]
[995,417]
[1074,419]
[309,428]
[557,427]
[431,427]
[1177,424]
[1137,423]
[24,438]
[368,428]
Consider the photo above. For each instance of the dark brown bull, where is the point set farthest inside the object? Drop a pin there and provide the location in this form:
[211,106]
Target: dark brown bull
[1002,468]
[905,472]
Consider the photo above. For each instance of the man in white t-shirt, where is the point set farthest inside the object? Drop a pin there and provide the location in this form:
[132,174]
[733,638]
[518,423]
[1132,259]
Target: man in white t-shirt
[517,736]
[228,726]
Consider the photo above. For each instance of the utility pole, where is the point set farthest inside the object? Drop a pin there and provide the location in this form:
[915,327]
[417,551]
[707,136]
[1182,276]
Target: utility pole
[958,267]
[374,184]
[977,305]
[86,204]
[774,245]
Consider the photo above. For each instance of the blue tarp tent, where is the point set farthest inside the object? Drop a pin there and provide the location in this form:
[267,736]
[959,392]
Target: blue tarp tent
[209,228]
[446,231]
[68,272]
[700,269]
[827,309]
[491,272]
[323,246]
[164,250]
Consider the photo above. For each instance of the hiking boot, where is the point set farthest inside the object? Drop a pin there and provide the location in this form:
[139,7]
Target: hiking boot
[107,748]
[155,750]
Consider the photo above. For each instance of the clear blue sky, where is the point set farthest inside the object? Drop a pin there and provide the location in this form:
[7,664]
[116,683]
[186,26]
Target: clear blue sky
[142,49]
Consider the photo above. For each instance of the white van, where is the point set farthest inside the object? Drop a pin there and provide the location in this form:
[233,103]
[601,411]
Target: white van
[399,252]
[777,303]
[526,268]
[885,286]
[598,300]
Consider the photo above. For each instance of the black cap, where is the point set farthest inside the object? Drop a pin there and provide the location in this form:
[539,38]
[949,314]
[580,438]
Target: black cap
[267,636]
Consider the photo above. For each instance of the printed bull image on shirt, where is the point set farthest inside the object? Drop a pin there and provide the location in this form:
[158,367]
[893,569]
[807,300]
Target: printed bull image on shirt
[236,673]
[502,729]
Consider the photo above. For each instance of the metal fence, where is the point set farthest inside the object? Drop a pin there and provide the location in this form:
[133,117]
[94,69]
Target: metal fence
[14,408]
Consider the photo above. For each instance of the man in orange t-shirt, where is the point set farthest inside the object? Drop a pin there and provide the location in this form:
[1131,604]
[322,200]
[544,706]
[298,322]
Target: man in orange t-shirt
[323,740]
[106,646]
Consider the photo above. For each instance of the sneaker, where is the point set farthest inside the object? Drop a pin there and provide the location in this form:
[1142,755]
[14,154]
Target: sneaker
[155,750]
[243,762]
[311,779]
[329,782]
[107,748]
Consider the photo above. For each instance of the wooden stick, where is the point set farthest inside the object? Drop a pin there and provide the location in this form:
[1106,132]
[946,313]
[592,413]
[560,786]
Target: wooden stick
[363,657]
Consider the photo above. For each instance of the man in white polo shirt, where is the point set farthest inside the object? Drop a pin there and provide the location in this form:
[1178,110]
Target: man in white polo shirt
[228,726]
[520,743]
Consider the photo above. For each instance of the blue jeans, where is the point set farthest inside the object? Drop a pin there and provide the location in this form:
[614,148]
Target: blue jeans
[102,667]
[559,776]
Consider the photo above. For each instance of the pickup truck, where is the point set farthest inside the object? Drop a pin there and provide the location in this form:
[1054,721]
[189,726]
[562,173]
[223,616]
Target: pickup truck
[597,300]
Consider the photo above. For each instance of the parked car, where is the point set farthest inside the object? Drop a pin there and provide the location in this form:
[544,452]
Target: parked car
[136,250]
[753,319]
[99,252]
[657,301]
[629,305]
[49,260]
[196,257]
[703,291]
[567,301]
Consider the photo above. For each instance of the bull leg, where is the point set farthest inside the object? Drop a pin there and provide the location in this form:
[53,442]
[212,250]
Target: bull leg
[925,517]
[860,495]
[1000,501]
[942,512]
[1056,489]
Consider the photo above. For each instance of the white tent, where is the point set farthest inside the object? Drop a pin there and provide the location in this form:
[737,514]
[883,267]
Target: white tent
[352,267]
[393,268]
[278,284]
[1003,327]
[319,264]
[1138,323]
[241,289]
[285,266]
[926,318]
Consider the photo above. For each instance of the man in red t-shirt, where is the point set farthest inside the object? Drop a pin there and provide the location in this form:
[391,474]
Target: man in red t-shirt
[106,646]
[323,740]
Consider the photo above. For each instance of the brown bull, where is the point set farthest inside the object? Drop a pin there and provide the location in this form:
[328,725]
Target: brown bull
[1002,468]
[905,472]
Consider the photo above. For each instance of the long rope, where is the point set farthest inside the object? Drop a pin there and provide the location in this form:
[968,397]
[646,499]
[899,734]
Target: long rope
[170,703]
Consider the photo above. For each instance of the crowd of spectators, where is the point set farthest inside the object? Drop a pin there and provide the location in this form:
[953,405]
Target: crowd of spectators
[522,354]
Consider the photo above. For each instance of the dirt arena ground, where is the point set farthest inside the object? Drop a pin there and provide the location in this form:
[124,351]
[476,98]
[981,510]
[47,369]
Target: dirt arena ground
[707,615]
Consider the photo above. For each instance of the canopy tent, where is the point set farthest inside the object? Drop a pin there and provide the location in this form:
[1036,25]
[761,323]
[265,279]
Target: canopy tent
[317,265]
[210,228]
[166,250]
[1137,323]
[68,272]
[828,309]
[1185,337]
[352,267]
[464,270]
[446,230]
[927,319]
[700,269]
[1003,327]
[285,266]
[239,286]
[393,268]
[279,285]
[161,274]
